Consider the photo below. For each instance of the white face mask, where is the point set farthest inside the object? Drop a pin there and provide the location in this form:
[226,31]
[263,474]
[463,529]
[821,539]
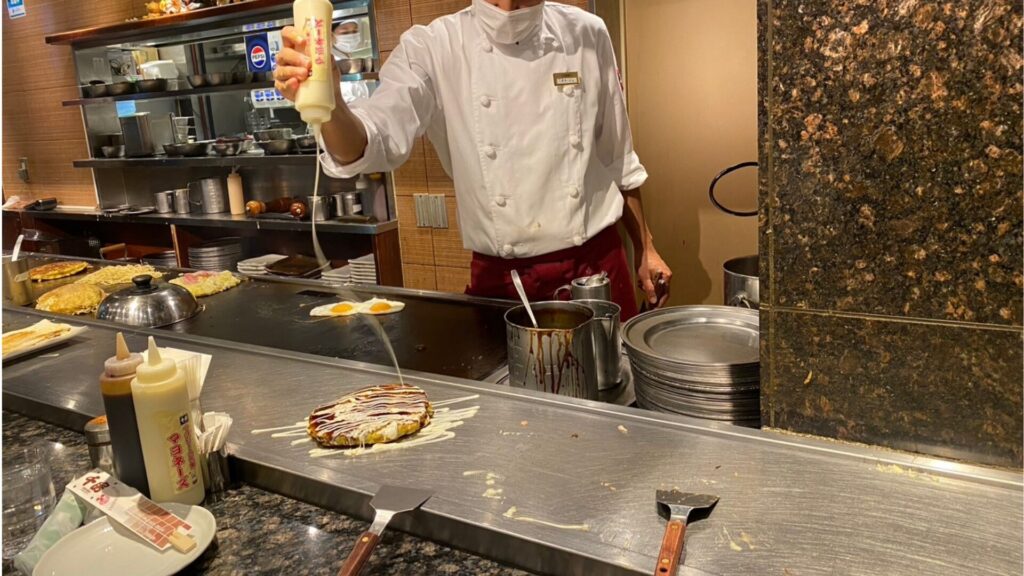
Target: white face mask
[348,43]
[508,27]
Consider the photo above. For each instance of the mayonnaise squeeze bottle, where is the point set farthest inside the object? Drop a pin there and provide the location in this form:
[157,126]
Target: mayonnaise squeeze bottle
[315,98]
[168,440]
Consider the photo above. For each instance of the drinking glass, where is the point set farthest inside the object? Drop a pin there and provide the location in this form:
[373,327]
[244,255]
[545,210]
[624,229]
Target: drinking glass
[28,495]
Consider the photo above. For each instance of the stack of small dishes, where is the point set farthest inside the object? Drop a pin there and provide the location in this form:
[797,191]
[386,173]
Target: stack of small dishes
[222,254]
[258,266]
[338,276]
[364,270]
[700,361]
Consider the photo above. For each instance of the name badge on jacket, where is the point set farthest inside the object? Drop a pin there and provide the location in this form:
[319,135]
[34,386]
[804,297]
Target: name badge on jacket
[567,78]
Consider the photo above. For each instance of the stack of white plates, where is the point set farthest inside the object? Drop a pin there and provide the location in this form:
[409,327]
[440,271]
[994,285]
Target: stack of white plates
[341,275]
[701,361]
[258,266]
[364,270]
[222,254]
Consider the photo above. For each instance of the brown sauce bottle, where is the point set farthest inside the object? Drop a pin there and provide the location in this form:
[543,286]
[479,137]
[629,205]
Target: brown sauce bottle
[116,387]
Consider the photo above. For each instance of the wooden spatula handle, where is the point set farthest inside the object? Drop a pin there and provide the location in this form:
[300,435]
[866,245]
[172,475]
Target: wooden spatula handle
[357,558]
[671,548]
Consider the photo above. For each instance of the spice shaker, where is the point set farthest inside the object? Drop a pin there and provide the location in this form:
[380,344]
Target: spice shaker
[101,452]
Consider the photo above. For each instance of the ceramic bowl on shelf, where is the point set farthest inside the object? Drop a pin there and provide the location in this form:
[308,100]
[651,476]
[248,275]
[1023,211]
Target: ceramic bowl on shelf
[121,88]
[116,151]
[197,80]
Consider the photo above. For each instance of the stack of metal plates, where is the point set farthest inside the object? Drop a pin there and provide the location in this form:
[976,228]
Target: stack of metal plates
[700,361]
[166,259]
[221,254]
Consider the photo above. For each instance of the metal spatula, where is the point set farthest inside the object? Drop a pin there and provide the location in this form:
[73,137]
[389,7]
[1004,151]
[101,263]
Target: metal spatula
[388,501]
[675,506]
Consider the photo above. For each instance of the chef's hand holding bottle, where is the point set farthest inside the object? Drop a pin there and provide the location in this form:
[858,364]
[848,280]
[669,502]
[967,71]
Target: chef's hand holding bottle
[344,136]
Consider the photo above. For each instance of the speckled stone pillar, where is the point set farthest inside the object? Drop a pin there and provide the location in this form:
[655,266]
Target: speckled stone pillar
[891,223]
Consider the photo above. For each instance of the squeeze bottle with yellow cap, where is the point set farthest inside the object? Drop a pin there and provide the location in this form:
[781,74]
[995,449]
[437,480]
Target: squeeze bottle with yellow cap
[315,98]
[116,388]
[168,441]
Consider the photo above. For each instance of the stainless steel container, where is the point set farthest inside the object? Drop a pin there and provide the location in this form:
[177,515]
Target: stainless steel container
[101,451]
[594,287]
[607,337]
[164,201]
[351,204]
[138,136]
[320,207]
[182,202]
[742,285]
[212,193]
[557,357]
[148,305]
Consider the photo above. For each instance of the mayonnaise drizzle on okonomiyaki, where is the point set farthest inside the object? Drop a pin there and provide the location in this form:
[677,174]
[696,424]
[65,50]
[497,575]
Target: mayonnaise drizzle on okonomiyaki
[370,416]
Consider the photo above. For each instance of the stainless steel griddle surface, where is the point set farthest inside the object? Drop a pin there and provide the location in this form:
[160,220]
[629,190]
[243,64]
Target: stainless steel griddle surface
[564,486]
[449,334]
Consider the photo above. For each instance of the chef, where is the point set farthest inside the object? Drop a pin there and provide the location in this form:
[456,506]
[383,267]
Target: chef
[522,101]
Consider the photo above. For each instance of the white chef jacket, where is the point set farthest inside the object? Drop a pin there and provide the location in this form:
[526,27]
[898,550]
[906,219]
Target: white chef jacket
[537,167]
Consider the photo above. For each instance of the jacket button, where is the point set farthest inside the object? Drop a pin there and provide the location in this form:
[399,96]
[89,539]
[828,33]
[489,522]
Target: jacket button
[574,192]
[577,240]
[567,90]
[500,201]
[506,250]
[574,141]
[490,152]
[485,101]
[486,47]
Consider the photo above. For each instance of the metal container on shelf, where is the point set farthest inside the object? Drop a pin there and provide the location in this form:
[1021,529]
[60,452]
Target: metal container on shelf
[214,198]
[164,201]
[138,136]
[351,204]
[557,357]
[182,201]
[320,207]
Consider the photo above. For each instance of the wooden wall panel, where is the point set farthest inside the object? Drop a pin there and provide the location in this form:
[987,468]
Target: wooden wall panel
[417,243]
[37,77]
[425,11]
[393,18]
[452,279]
[420,277]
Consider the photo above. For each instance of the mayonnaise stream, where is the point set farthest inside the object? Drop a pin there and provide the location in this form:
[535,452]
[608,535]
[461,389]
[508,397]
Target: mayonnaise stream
[322,261]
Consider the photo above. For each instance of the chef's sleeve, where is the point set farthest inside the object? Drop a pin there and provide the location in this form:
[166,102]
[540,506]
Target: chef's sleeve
[396,114]
[614,142]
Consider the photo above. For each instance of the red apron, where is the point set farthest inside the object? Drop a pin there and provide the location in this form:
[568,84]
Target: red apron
[542,275]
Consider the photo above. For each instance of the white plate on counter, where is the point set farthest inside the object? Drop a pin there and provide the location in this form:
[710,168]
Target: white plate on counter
[104,548]
[75,331]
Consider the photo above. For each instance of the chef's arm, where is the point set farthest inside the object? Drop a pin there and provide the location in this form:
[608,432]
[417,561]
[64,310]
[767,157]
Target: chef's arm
[375,134]
[650,266]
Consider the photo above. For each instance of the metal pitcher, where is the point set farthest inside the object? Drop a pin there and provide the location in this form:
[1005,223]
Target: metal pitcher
[742,286]
[214,196]
[607,342]
[182,201]
[557,357]
[594,287]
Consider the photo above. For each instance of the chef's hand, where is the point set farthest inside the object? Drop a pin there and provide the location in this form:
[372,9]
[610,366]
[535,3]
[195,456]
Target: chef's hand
[294,65]
[649,267]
